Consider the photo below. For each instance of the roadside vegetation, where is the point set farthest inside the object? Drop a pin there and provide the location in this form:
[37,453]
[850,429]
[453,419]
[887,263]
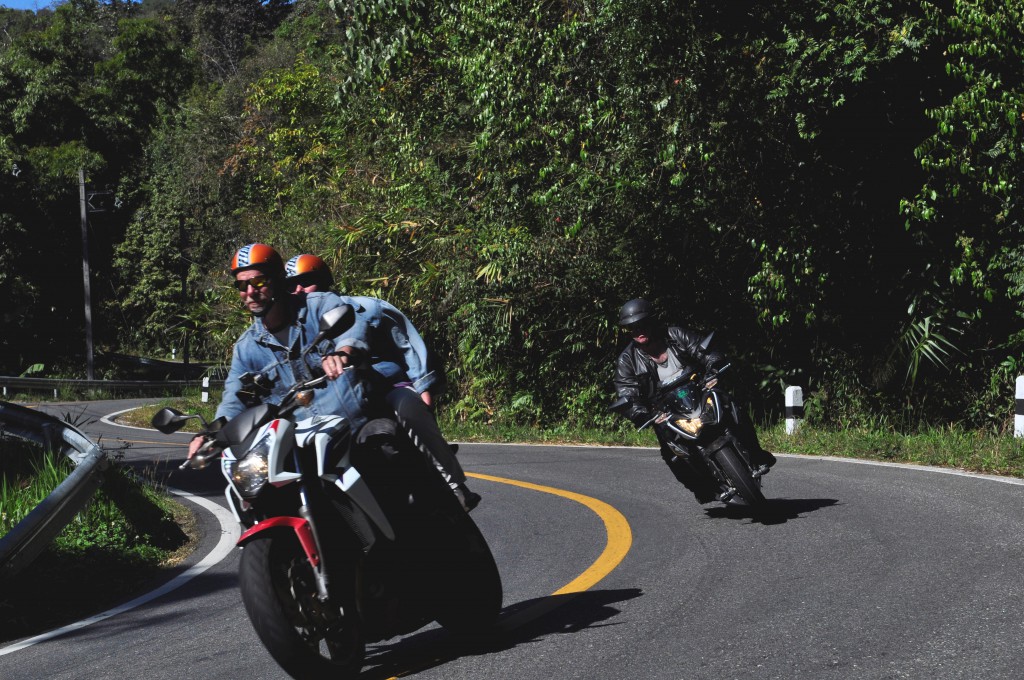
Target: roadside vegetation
[975,450]
[127,536]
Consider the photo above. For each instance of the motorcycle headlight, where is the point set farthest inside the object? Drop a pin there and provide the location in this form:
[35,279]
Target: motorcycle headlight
[689,425]
[251,472]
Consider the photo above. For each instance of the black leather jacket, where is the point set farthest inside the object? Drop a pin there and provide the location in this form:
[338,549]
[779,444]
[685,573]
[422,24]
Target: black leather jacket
[636,374]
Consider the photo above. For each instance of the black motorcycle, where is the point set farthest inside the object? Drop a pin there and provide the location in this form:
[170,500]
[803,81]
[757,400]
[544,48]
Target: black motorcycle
[349,536]
[690,408]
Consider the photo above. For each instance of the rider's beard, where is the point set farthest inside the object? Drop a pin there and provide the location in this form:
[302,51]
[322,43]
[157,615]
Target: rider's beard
[261,310]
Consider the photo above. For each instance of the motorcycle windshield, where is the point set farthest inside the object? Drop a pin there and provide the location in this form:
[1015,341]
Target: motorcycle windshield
[685,398]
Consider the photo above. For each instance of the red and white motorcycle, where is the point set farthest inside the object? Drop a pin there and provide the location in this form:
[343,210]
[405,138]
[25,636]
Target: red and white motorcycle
[350,537]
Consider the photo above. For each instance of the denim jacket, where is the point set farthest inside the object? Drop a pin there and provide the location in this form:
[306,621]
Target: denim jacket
[397,350]
[393,338]
[258,351]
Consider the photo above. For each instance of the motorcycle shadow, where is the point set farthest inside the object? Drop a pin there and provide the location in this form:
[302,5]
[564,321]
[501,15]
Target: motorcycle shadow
[517,624]
[775,510]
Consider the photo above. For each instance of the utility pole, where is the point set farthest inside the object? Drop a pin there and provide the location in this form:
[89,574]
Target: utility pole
[90,374]
[182,242]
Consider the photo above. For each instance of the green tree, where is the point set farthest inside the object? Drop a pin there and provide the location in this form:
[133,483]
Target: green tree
[79,90]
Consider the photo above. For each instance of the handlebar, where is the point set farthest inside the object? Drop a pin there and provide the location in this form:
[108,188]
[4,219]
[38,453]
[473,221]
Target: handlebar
[202,458]
[210,449]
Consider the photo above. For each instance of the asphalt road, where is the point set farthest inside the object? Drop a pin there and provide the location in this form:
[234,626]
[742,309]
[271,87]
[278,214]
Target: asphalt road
[865,571]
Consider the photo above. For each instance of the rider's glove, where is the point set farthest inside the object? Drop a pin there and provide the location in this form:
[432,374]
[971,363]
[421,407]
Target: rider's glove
[716,360]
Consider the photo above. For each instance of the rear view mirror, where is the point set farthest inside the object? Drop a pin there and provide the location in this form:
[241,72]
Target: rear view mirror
[334,322]
[168,420]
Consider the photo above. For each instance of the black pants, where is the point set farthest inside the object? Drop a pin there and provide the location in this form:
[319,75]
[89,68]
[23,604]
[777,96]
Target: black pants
[416,418]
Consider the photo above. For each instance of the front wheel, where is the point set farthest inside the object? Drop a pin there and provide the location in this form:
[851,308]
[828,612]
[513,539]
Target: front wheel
[308,638]
[739,476]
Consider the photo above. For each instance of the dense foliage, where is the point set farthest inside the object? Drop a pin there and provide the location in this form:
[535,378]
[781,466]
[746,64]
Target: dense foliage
[829,185]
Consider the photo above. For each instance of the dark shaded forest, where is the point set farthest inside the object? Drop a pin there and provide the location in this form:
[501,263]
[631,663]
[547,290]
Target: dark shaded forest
[831,186]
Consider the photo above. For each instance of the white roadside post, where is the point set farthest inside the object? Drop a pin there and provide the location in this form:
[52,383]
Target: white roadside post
[1018,413]
[206,389]
[794,408]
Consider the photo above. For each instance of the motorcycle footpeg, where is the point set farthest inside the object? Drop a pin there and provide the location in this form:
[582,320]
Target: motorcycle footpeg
[726,496]
[760,472]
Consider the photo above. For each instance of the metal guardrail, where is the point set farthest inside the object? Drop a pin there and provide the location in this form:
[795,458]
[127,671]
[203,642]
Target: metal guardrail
[23,543]
[61,383]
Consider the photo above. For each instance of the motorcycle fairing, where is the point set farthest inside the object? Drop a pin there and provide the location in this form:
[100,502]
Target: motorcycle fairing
[709,412]
[321,432]
[240,431]
[237,504]
[280,437]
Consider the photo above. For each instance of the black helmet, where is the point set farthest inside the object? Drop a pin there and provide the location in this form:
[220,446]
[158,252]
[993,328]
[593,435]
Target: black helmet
[635,311]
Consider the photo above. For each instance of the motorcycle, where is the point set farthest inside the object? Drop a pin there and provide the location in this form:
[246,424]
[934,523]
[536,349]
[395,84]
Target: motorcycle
[691,410]
[349,536]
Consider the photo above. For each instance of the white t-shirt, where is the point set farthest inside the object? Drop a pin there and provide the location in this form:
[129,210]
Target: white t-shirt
[669,369]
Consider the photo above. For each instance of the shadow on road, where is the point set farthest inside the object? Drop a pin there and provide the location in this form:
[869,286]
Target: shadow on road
[518,624]
[776,511]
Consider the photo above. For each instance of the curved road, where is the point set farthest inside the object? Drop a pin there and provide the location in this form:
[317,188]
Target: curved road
[865,571]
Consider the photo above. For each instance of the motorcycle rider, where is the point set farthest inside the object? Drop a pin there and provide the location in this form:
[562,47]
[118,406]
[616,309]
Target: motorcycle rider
[656,354]
[279,326]
[283,321]
[401,344]
[401,341]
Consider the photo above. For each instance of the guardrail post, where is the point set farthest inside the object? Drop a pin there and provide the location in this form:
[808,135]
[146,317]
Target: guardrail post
[206,389]
[794,408]
[1018,417]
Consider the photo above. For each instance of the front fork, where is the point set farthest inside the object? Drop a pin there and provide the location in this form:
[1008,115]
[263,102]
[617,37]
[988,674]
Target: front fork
[315,504]
[308,534]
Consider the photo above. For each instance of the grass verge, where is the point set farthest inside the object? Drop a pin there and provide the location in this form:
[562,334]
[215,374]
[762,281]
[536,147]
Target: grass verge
[128,536]
[140,417]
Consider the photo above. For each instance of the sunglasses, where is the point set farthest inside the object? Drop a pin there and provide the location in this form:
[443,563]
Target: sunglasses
[638,326]
[257,282]
[306,279]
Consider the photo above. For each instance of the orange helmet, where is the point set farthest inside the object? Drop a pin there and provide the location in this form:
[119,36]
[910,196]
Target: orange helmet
[257,256]
[307,270]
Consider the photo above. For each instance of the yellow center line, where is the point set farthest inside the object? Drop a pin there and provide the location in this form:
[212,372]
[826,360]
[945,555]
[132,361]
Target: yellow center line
[620,537]
[166,442]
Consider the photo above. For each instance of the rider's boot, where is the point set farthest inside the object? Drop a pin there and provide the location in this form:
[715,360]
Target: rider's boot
[468,499]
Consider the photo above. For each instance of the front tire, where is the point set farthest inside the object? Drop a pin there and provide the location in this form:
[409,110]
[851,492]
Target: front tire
[739,476]
[305,637]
